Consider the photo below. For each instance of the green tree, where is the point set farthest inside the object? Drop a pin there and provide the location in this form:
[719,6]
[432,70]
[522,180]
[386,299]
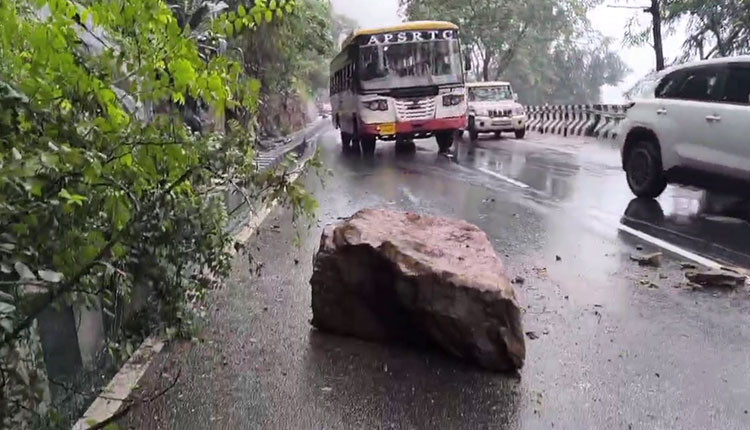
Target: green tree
[290,58]
[496,30]
[545,47]
[102,186]
[571,72]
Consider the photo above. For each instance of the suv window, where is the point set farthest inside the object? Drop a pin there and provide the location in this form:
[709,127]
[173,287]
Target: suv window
[737,87]
[700,84]
[669,85]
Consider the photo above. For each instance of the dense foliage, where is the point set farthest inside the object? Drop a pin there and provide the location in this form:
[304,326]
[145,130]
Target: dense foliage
[103,186]
[290,58]
[546,47]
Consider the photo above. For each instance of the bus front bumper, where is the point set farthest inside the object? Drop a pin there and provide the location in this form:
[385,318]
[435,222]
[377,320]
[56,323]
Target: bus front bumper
[419,127]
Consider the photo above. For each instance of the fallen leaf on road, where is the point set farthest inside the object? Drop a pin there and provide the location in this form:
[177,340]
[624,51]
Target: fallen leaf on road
[558,258]
[518,280]
[532,335]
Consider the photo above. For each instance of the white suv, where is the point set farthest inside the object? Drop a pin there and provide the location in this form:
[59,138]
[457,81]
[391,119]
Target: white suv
[494,108]
[690,124]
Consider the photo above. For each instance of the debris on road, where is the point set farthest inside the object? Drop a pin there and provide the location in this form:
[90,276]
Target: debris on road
[688,266]
[518,280]
[717,279]
[653,260]
[532,335]
[558,258]
[353,293]
[649,283]
[663,276]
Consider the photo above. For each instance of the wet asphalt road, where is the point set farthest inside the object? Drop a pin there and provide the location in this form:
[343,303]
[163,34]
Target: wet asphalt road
[612,353]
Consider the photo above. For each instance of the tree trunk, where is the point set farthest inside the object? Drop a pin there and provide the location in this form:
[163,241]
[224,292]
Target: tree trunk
[656,13]
[486,67]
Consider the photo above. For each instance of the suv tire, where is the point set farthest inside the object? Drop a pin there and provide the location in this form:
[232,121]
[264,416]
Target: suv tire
[644,170]
[520,134]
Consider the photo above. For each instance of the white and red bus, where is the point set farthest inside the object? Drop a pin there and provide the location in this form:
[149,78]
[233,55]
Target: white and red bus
[399,83]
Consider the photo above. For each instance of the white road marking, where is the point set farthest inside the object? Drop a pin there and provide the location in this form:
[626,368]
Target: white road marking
[504,178]
[703,261]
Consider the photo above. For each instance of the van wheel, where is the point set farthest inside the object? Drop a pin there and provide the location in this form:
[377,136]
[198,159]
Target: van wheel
[644,170]
[368,145]
[520,134]
[473,133]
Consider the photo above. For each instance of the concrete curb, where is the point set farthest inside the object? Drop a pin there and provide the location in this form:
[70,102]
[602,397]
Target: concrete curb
[120,388]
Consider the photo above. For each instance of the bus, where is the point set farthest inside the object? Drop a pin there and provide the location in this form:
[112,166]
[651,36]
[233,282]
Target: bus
[399,83]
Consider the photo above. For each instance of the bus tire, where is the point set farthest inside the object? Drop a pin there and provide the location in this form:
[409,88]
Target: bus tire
[346,141]
[368,144]
[444,141]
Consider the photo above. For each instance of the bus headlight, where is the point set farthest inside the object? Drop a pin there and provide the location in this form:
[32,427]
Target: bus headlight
[452,100]
[376,105]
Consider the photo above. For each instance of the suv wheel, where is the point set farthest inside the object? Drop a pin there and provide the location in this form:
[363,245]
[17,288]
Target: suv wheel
[644,170]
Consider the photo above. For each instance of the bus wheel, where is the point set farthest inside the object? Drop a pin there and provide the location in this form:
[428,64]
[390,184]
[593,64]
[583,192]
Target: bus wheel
[444,140]
[368,145]
[404,146]
[355,146]
[346,140]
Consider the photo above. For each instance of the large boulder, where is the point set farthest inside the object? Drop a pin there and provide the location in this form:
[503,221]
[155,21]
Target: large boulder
[394,276]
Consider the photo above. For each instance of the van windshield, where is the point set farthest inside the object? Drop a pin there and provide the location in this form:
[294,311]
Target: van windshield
[490,94]
[411,64]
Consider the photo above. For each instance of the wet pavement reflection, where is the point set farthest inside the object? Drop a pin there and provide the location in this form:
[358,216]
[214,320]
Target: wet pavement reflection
[611,351]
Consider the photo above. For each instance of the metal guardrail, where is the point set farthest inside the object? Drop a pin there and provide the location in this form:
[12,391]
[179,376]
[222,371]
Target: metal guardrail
[600,120]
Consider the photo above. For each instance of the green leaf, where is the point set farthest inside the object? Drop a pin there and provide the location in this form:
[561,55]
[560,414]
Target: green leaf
[241,10]
[50,276]
[269,16]
[127,160]
[16,155]
[23,271]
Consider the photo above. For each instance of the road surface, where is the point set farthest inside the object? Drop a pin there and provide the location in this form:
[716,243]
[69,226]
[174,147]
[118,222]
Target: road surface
[619,346]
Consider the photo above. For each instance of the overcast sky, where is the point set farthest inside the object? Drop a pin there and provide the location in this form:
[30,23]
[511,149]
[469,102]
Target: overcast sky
[608,21]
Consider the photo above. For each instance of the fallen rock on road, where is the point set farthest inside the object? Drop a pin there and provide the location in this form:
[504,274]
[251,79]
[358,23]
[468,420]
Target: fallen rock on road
[394,276]
[653,260]
[715,278]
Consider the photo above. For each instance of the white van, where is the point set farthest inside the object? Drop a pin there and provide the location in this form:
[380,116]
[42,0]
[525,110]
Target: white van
[494,108]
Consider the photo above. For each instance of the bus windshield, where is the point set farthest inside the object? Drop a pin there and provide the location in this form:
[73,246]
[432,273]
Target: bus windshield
[411,64]
[490,94]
